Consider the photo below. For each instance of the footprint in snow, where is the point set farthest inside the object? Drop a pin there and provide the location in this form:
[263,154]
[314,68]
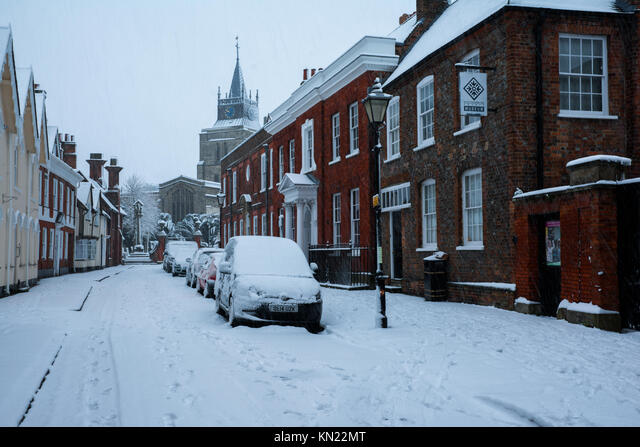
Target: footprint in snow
[169,420]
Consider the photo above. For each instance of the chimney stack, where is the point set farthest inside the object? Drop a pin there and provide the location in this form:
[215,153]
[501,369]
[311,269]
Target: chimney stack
[95,167]
[113,192]
[69,152]
[305,72]
[430,10]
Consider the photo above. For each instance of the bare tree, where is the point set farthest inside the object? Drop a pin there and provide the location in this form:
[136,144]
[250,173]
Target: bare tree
[135,189]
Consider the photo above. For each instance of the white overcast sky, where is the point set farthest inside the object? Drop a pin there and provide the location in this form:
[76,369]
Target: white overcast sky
[138,79]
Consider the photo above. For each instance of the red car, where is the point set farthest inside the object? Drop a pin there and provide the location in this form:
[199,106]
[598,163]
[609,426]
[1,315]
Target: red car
[207,276]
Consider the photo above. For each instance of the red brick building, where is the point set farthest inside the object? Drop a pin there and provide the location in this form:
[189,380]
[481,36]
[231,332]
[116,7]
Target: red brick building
[315,170]
[562,84]
[58,184]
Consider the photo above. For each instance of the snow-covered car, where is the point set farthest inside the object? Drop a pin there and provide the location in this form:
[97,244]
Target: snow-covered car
[196,262]
[267,279]
[179,252]
[207,277]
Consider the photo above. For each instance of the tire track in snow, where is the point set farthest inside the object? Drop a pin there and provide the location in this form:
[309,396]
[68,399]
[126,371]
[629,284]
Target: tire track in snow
[44,378]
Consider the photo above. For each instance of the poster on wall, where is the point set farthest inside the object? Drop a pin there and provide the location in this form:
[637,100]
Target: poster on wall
[552,243]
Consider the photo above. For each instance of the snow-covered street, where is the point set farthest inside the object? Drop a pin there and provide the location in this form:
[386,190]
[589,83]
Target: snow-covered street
[145,350]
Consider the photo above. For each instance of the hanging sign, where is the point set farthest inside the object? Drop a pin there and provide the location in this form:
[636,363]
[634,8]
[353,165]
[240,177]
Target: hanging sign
[473,93]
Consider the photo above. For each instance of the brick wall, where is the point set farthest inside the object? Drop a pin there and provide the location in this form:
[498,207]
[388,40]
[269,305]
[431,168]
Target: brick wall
[505,144]
[589,253]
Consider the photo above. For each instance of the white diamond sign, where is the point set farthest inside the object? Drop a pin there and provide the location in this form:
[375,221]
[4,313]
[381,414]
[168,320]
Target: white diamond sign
[473,93]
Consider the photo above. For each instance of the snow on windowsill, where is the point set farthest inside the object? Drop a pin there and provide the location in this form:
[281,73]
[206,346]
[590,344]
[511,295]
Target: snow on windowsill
[425,144]
[523,300]
[394,158]
[586,116]
[427,249]
[471,127]
[353,154]
[489,285]
[607,158]
[333,162]
[585,308]
[470,248]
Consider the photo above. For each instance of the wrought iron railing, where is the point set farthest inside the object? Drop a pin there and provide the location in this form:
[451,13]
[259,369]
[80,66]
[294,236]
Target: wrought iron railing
[343,264]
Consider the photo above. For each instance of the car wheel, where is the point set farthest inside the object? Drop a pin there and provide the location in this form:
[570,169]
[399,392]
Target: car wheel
[233,320]
[218,307]
[314,328]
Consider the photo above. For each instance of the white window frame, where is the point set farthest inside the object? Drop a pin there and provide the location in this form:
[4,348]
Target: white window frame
[466,209]
[248,172]
[44,244]
[263,172]
[255,225]
[292,156]
[46,190]
[431,245]
[51,242]
[335,137]
[336,207]
[235,189]
[241,226]
[55,195]
[396,197]
[270,168]
[470,122]
[354,137]
[308,155]
[263,221]
[429,140]
[354,196]
[280,163]
[604,77]
[393,129]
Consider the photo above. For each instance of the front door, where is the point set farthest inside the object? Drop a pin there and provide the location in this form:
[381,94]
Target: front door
[550,264]
[306,234]
[395,219]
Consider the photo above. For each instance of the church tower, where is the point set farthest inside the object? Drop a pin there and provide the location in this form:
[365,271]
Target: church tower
[238,117]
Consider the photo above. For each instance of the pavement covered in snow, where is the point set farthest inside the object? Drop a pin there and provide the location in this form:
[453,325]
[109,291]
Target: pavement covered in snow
[145,350]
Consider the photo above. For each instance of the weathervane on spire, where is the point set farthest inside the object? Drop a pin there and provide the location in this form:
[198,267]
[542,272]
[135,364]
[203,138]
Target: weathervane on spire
[237,49]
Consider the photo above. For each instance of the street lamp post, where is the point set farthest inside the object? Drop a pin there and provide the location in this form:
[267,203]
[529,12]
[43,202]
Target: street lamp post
[376,104]
[220,197]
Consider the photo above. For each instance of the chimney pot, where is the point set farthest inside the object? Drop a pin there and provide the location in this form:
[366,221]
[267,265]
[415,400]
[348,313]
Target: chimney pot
[313,72]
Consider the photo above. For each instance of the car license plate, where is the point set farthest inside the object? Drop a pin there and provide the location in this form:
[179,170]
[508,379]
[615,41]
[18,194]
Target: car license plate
[283,307]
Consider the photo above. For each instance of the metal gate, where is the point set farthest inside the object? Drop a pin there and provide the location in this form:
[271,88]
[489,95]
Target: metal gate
[343,265]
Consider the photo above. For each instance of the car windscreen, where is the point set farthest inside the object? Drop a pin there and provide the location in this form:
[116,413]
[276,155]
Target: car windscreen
[270,256]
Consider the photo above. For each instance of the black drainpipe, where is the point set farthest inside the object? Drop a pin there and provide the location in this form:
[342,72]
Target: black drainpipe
[539,105]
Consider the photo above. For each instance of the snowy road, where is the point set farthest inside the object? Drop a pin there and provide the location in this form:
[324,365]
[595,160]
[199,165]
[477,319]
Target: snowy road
[147,351]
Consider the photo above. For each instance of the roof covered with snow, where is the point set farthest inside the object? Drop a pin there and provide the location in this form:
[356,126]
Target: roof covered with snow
[624,161]
[401,33]
[5,33]
[238,122]
[24,78]
[462,15]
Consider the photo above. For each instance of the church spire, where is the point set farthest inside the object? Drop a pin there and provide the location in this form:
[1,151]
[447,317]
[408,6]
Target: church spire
[237,84]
